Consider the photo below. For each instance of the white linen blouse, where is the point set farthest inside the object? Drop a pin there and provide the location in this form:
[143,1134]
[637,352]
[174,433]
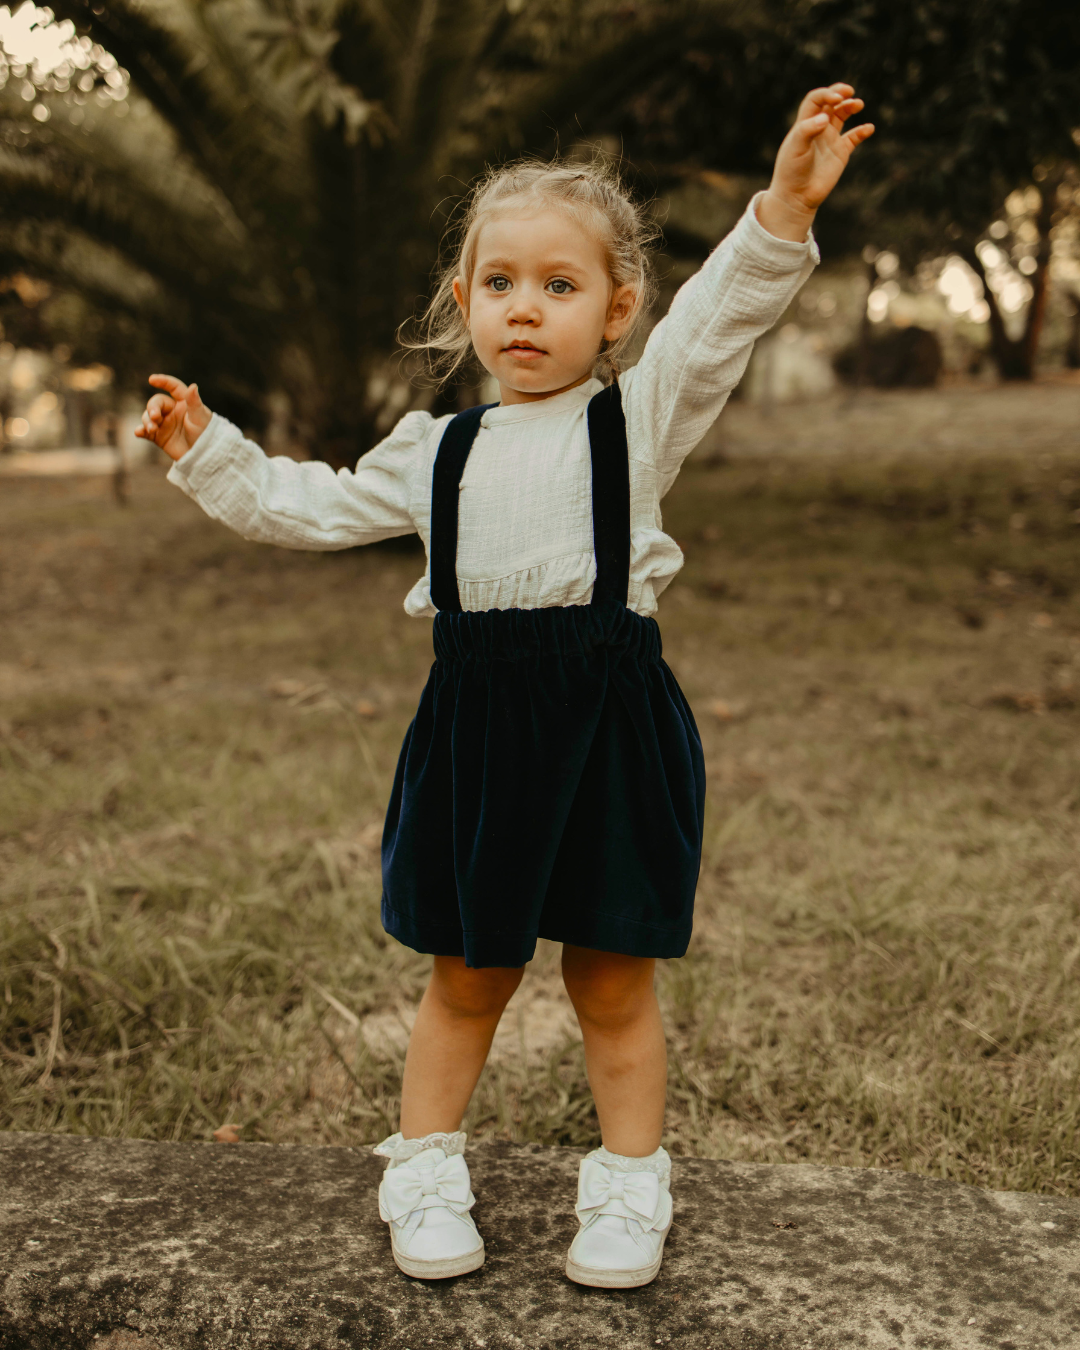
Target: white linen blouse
[525,509]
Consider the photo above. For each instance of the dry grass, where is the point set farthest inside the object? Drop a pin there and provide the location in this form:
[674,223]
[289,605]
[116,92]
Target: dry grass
[197,736]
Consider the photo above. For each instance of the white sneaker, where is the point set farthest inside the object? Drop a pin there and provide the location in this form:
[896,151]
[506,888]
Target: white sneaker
[625,1219]
[426,1198]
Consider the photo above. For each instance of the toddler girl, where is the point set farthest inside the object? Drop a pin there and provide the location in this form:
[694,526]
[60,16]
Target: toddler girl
[552,782]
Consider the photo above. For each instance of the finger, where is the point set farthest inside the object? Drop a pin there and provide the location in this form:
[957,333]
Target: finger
[858,134]
[159,404]
[160,424]
[170,384]
[816,100]
[844,110]
[806,131]
[194,402]
[173,419]
[846,89]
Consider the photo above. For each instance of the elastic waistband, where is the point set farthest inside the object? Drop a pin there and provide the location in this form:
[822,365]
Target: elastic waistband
[528,634]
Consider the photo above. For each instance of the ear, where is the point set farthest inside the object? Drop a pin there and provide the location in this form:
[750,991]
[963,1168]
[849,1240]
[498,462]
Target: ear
[461,297]
[621,310]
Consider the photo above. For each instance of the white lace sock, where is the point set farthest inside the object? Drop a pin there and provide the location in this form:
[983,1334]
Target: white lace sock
[658,1162]
[400,1150]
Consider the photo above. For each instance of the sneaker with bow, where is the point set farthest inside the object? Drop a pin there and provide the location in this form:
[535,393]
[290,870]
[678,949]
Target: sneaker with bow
[425,1197]
[625,1219]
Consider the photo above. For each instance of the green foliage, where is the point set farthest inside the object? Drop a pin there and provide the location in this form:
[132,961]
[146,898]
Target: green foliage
[261,189]
[270,196]
[969,100]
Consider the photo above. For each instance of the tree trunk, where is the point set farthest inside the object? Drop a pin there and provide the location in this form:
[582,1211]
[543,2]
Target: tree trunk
[862,356]
[1072,349]
[1015,357]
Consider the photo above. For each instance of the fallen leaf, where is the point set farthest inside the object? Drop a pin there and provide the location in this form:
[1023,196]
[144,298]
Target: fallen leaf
[1018,700]
[728,712]
[892,703]
[371,835]
[228,1134]
[723,590]
[286,688]
[777,1224]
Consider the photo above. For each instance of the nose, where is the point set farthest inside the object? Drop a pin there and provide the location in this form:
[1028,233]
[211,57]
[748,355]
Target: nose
[524,307]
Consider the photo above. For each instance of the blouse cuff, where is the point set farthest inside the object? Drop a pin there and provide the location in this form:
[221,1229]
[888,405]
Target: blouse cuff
[193,470]
[771,254]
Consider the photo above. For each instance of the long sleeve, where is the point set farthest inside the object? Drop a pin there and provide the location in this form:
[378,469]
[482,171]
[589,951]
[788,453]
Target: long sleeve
[307,506]
[698,352]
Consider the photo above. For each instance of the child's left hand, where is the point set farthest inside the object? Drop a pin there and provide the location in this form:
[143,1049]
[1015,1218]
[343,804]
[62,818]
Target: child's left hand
[811,159]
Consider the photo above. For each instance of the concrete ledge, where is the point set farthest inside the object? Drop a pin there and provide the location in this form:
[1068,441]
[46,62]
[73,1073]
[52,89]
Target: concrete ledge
[115,1244]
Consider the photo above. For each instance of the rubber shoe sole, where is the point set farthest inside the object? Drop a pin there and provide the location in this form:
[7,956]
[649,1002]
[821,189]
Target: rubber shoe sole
[615,1279]
[437,1270]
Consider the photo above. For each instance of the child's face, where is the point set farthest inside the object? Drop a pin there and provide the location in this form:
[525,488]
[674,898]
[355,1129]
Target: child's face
[540,303]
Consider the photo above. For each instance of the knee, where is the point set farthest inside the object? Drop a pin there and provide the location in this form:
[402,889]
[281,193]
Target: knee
[609,995]
[473,993]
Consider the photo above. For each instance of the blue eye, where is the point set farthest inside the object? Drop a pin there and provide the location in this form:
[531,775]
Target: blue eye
[560,286]
[499,284]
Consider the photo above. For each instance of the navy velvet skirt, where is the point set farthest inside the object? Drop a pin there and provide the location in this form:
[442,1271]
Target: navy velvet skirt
[551,785]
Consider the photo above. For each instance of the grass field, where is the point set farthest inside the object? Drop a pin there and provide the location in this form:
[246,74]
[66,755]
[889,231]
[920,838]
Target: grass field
[881,641]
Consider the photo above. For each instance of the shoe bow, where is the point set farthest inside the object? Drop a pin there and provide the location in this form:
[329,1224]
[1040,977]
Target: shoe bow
[636,1195]
[406,1188]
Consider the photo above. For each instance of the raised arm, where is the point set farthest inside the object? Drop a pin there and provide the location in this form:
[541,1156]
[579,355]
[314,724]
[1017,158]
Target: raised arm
[276,500]
[698,353]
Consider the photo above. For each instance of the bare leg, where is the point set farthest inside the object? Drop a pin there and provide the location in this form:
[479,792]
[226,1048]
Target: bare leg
[450,1042]
[625,1051]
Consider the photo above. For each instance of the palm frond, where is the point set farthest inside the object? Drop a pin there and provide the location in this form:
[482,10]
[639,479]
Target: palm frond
[183,59]
[279,171]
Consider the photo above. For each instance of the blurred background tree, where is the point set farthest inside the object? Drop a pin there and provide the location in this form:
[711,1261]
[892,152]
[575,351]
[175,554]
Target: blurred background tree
[261,184]
[973,100]
[252,191]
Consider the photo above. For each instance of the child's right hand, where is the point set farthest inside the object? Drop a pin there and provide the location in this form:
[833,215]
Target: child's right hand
[175,419]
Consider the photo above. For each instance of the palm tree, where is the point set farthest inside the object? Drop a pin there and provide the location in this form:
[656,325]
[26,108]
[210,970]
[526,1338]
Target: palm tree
[269,195]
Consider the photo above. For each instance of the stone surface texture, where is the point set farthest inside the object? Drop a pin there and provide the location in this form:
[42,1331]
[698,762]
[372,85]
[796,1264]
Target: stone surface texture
[126,1245]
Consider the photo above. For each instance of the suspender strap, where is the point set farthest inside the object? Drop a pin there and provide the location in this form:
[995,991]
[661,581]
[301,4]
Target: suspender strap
[610,495]
[445,481]
[610,498]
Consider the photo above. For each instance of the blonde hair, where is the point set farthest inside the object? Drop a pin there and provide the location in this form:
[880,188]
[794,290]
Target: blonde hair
[592,192]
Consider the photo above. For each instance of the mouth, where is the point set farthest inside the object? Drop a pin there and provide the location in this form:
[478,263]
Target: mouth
[524,349]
